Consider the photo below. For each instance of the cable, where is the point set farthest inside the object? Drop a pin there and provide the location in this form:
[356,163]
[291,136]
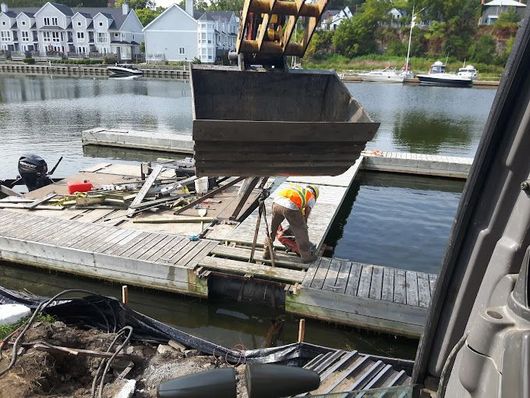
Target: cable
[442,386]
[42,305]
[107,363]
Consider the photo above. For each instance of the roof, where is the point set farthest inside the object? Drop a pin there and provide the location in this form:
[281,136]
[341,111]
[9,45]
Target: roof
[504,3]
[115,14]
[223,16]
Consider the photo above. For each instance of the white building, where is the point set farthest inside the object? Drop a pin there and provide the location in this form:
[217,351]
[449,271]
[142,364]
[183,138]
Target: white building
[493,9]
[332,18]
[55,29]
[179,35]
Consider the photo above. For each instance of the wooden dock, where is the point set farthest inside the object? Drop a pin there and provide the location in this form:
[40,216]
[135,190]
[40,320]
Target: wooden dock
[391,162]
[106,244]
[175,143]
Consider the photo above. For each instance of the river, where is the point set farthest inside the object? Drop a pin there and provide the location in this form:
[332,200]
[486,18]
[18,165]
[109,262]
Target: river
[387,219]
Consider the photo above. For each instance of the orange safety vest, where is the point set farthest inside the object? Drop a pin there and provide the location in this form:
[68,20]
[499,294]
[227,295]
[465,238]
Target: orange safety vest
[297,195]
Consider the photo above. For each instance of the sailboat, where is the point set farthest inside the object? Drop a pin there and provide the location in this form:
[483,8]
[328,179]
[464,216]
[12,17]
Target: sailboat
[391,75]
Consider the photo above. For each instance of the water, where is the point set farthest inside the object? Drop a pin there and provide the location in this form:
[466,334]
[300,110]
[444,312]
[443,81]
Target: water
[388,220]
[397,221]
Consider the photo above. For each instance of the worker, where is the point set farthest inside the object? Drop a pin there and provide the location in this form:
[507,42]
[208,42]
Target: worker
[294,203]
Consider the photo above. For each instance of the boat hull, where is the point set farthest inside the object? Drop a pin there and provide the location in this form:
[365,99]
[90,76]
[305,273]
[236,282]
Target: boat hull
[123,72]
[430,80]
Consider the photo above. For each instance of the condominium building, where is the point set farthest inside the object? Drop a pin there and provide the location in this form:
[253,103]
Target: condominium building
[185,35]
[56,29]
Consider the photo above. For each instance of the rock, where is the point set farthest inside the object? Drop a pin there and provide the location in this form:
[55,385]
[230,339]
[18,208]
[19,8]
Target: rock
[59,325]
[177,346]
[125,390]
[163,349]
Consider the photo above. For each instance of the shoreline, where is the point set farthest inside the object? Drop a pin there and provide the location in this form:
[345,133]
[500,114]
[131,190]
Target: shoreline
[82,70]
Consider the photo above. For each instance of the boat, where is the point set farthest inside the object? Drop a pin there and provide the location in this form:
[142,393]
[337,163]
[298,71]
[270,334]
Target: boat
[438,77]
[123,70]
[468,71]
[389,75]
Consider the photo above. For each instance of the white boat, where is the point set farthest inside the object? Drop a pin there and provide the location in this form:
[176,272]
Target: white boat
[121,70]
[468,71]
[438,77]
[389,75]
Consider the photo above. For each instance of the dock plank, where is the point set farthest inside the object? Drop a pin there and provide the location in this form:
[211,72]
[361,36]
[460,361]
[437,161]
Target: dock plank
[412,287]
[320,276]
[256,270]
[342,278]
[331,276]
[400,291]
[365,281]
[387,292]
[243,254]
[353,280]
[432,283]
[377,283]
[424,291]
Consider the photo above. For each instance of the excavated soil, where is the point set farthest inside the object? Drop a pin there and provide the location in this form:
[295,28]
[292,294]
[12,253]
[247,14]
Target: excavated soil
[52,373]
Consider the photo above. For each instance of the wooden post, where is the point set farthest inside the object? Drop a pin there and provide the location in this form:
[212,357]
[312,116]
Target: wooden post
[301,330]
[124,294]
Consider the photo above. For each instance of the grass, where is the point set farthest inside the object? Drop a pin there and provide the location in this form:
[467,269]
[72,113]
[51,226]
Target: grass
[418,64]
[6,330]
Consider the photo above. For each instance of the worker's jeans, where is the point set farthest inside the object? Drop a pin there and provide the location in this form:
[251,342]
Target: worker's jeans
[297,224]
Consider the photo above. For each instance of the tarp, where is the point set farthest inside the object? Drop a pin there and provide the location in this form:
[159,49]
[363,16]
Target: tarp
[109,314]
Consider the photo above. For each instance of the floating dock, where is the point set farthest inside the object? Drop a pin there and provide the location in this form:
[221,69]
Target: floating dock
[391,162]
[105,244]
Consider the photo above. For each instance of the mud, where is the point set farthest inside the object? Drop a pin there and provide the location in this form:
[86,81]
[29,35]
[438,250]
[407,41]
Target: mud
[52,373]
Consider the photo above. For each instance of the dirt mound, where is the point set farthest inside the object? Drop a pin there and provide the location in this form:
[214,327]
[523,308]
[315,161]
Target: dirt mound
[60,361]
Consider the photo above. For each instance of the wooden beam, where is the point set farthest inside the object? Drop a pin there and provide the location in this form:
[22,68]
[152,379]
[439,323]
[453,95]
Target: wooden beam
[144,190]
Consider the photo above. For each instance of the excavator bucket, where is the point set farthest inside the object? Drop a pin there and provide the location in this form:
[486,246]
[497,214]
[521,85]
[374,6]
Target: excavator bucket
[288,123]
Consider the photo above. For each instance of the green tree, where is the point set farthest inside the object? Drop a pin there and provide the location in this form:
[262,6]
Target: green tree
[321,45]
[146,15]
[358,35]
[70,3]
[482,50]
[225,5]
[137,4]
[508,17]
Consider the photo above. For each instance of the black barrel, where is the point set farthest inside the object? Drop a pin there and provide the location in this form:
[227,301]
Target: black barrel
[219,383]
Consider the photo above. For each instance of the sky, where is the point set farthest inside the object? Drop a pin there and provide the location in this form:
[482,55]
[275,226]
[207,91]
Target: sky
[165,3]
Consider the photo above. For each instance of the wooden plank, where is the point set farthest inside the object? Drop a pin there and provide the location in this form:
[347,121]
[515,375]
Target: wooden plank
[201,254]
[137,254]
[130,251]
[176,251]
[95,215]
[118,250]
[320,276]
[432,283]
[119,245]
[62,235]
[102,240]
[156,247]
[85,235]
[243,254]
[353,280]
[163,252]
[8,191]
[112,242]
[342,278]
[365,281]
[310,274]
[387,292]
[400,291]
[377,282]
[331,276]
[412,288]
[424,291]
[187,256]
[329,384]
[145,189]
[257,270]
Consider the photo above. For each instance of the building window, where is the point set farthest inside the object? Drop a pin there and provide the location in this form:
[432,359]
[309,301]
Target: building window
[80,35]
[55,22]
[116,34]
[102,37]
[55,37]
[101,24]
[46,36]
[25,36]
[23,22]
[181,50]
[5,35]
[47,21]
[79,23]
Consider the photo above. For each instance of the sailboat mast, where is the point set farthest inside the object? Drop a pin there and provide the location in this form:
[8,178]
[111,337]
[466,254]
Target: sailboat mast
[410,41]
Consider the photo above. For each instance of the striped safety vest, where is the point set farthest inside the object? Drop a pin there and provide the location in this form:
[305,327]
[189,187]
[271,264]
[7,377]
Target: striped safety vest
[298,195]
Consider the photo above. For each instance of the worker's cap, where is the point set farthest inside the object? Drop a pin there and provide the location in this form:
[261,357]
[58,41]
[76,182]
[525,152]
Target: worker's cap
[314,189]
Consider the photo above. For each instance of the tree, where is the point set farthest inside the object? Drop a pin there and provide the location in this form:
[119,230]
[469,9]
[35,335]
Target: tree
[358,35]
[69,3]
[146,15]
[137,4]
[482,50]
[320,45]
[225,5]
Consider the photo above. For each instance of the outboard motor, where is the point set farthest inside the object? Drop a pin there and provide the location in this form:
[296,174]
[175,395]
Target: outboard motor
[33,171]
